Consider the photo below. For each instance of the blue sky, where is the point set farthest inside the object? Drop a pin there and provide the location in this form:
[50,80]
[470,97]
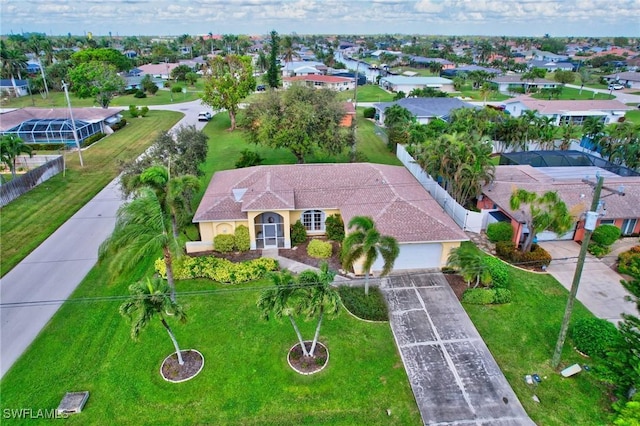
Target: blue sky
[595,18]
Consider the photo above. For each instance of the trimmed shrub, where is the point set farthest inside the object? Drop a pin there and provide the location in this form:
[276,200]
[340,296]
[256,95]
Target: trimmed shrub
[501,296]
[537,257]
[139,94]
[119,125]
[629,262]
[144,111]
[133,111]
[605,235]
[224,243]
[369,112]
[499,231]
[371,307]
[176,88]
[498,270]
[298,233]
[594,336]
[319,249]
[46,147]
[505,249]
[92,139]
[598,250]
[217,269]
[334,227]
[242,239]
[479,296]
[248,158]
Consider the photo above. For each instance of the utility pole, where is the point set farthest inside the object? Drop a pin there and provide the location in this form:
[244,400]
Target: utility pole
[589,226]
[73,123]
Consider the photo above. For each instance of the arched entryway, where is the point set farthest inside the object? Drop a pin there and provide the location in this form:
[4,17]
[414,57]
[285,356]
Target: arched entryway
[269,228]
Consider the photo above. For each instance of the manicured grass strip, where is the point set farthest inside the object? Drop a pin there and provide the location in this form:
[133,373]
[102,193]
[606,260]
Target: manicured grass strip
[30,219]
[633,116]
[245,380]
[569,93]
[368,93]
[522,335]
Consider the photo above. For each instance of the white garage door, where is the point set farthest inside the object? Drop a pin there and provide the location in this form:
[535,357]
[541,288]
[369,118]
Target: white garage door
[415,256]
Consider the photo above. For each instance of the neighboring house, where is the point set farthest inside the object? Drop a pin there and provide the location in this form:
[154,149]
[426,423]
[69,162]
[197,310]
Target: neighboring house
[53,125]
[422,62]
[294,68]
[398,83]
[134,82]
[629,79]
[270,199]
[621,211]
[14,89]
[551,66]
[541,55]
[452,72]
[507,83]
[350,114]
[563,112]
[424,109]
[162,70]
[338,84]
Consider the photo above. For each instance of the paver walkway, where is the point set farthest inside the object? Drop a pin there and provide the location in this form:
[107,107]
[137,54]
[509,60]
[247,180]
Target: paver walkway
[454,377]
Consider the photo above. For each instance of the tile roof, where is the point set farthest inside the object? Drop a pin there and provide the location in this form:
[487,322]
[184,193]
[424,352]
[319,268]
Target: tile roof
[11,119]
[396,201]
[556,107]
[319,78]
[427,107]
[518,79]
[573,191]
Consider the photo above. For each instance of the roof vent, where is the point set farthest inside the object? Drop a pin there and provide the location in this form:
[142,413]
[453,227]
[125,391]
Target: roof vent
[238,193]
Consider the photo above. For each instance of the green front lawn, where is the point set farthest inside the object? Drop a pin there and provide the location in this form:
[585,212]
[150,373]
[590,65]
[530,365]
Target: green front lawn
[246,379]
[522,335]
[633,116]
[28,220]
[569,93]
[368,93]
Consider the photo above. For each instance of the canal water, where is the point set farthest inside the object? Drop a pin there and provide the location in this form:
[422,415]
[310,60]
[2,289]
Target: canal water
[363,68]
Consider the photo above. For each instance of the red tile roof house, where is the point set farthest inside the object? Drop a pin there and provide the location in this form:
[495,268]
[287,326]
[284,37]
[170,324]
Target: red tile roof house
[621,211]
[270,199]
[338,84]
[564,111]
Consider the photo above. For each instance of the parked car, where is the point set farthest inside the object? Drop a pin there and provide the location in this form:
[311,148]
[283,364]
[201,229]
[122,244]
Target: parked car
[261,88]
[616,86]
[204,116]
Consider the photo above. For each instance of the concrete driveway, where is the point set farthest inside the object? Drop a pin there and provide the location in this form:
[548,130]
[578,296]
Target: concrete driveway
[600,289]
[454,378]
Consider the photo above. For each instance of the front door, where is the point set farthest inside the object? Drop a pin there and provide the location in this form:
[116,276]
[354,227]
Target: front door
[628,225]
[270,235]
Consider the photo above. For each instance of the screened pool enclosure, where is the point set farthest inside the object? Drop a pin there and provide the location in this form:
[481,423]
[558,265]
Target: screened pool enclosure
[54,131]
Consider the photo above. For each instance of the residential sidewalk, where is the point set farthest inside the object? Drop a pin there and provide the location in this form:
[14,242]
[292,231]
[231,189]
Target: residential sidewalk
[600,289]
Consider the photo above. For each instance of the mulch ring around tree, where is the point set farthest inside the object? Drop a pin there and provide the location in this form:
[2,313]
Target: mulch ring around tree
[308,365]
[173,372]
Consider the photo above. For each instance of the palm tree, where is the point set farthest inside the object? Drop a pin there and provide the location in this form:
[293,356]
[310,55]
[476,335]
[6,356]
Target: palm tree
[569,130]
[11,147]
[148,299]
[323,298]
[546,133]
[593,128]
[283,300]
[365,243]
[468,261]
[142,230]
[546,211]
[288,51]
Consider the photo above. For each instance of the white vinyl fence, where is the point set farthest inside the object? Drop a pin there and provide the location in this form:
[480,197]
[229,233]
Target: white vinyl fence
[467,220]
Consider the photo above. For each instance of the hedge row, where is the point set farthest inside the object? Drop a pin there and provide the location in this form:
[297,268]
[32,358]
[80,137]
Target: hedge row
[537,257]
[486,296]
[629,262]
[217,269]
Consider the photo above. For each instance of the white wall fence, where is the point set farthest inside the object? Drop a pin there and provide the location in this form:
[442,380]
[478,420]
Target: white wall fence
[467,220]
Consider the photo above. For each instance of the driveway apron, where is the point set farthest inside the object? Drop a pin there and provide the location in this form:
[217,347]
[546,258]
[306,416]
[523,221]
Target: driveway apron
[454,378]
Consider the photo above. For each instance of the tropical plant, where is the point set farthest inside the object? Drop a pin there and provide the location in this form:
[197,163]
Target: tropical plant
[545,212]
[142,230]
[467,260]
[148,299]
[229,79]
[11,147]
[364,243]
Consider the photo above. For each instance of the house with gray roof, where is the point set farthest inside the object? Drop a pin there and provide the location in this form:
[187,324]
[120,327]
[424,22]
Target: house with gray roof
[551,66]
[399,83]
[628,79]
[270,199]
[13,88]
[511,83]
[424,109]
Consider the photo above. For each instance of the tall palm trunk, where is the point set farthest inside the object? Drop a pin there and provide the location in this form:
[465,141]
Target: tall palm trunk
[302,345]
[173,339]
[169,265]
[317,334]
[366,283]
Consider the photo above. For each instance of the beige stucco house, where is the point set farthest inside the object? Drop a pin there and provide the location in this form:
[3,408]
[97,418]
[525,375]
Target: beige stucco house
[270,199]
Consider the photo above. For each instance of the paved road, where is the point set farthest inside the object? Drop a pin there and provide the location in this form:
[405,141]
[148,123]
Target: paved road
[54,269]
[454,377]
[600,289]
[623,96]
